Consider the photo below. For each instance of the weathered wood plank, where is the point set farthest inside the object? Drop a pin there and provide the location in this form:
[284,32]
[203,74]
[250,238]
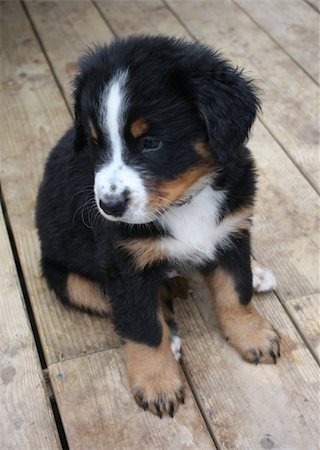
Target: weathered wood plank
[141,17]
[248,406]
[314,3]
[33,117]
[78,25]
[26,417]
[293,25]
[96,388]
[287,89]
[286,225]
[306,312]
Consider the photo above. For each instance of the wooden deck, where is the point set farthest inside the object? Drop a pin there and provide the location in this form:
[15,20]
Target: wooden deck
[63,382]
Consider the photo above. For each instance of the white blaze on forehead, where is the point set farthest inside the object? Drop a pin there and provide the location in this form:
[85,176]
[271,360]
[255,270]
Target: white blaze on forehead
[112,113]
[115,177]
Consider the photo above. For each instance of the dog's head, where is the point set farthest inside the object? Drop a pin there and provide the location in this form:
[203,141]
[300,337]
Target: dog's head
[160,116]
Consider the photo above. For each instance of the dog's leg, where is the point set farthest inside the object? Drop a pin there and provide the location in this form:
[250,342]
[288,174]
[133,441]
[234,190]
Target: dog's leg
[231,285]
[76,290]
[87,295]
[173,287]
[154,374]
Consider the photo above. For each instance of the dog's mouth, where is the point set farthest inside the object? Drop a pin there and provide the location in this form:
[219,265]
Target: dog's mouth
[161,198]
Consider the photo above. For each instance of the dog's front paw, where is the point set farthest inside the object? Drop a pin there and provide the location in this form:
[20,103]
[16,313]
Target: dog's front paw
[155,377]
[160,395]
[255,338]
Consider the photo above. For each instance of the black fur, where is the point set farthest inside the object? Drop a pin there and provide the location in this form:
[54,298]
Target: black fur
[187,93]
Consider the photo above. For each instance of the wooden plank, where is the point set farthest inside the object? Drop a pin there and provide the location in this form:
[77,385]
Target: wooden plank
[33,117]
[293,25]
[286,225]
[250,407]
[305,311]
[96,387]
[141,17]
[78,25]
[26,417]
[286,88]
[314,4]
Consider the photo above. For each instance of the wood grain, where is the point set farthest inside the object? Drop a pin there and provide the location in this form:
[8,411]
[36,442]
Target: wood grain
[314,4]
[26,417]
[247,406]
[293,25]
[306,312]
[76,24]
[33,117]
[99,412]
[286,222]
[286,88]
[146,17]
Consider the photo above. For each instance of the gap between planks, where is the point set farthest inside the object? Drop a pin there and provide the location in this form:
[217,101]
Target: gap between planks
[33,326]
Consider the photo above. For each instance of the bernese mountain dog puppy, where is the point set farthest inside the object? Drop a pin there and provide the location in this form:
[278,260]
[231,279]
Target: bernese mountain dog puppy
[155,177]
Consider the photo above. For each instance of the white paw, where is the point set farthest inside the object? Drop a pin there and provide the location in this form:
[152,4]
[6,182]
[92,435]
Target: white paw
[263,279]
[176,347]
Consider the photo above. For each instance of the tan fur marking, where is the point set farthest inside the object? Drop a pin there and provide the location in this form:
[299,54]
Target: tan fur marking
[203,150]
[253,337]
[175,287]
[175,189]
[165,297]
[243,218]
[86,294]
[154,374]
[138,127]
[145,251]
[93,131]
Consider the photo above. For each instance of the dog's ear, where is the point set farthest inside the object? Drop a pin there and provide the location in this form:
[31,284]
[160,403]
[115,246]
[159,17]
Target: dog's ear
[80,135]
[228,104]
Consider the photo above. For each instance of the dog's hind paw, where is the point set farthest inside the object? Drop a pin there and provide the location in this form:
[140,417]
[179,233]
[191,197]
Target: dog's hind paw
[263,279]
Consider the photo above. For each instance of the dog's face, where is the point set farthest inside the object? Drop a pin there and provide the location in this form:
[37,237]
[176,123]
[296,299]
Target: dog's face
[159,117]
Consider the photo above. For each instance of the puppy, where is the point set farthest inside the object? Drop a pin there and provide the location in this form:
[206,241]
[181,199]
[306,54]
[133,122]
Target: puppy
[154,176]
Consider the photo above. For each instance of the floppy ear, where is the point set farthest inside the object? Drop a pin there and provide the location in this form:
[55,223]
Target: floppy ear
[80,136]
[228,104]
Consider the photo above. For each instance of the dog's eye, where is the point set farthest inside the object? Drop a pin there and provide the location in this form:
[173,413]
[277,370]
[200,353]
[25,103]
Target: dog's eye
[149,144]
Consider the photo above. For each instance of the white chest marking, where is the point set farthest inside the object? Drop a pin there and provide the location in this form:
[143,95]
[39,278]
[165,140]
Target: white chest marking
[195,229]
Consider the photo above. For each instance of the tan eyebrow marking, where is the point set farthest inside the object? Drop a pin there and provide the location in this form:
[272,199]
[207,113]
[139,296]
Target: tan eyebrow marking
[203,150]
[138,127]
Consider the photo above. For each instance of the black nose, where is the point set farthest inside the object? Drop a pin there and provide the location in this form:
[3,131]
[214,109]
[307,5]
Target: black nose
[114,205]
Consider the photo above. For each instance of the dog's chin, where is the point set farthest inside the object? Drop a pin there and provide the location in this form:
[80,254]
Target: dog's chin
[131,218]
